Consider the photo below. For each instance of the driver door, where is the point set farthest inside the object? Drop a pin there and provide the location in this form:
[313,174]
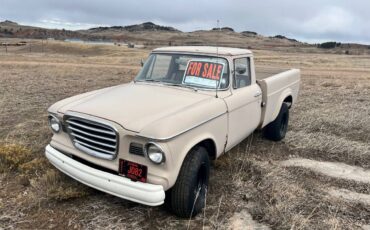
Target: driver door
[244,104]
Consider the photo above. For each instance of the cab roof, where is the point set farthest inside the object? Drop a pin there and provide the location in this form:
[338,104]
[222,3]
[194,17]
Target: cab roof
[210,50]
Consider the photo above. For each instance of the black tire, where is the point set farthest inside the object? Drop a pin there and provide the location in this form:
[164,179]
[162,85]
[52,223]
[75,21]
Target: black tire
[277,129]
[189,192]
[167,201]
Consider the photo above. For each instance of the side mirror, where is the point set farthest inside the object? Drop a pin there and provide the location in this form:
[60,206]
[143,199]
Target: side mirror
[142,62]
[241,69]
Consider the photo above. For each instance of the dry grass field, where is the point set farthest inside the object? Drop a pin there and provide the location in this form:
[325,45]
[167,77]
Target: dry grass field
[317,178]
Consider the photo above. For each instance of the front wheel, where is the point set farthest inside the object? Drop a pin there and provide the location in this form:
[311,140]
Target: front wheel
[277,129]
[188,195]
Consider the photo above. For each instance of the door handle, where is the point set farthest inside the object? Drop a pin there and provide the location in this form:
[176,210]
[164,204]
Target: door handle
[259,93]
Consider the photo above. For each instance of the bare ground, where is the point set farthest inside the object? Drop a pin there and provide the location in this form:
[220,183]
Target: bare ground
[349,195]
[330,124]
[332,169]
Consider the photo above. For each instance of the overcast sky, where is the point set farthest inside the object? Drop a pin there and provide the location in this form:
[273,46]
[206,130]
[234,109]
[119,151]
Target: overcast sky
[312,21]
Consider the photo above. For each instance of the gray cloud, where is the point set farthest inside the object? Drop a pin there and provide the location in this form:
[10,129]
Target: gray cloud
[339,20]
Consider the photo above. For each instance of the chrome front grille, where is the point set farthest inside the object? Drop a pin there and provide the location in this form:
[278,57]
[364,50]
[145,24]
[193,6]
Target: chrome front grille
[94,138]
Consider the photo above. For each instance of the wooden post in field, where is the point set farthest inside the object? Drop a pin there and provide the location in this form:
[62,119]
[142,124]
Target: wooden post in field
[6,48]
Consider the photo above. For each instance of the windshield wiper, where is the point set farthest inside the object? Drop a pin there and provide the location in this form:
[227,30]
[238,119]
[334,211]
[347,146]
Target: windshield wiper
[182,85]
[149,80]
[168,83]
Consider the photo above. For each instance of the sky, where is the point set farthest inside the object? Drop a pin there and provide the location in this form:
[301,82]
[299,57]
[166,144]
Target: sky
[310,21]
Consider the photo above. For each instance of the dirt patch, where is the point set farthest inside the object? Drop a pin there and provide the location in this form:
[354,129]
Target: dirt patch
[350,195]
[333,169]
[327,181]
[244,220]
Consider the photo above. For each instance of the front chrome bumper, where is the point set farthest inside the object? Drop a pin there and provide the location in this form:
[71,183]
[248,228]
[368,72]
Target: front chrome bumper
[143,193]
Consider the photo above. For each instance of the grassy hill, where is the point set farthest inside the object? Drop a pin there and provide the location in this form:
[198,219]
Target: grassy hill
[152,35]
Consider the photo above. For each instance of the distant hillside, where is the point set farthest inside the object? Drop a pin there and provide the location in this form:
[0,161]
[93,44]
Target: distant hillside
[11,29]
[149,35]
[8,23]
[146,26]
[152,35]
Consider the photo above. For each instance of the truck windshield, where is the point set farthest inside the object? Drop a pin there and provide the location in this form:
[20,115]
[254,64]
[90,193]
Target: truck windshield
[203,72]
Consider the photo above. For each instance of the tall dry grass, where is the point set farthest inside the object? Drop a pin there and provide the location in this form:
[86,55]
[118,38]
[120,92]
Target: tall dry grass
[330,122]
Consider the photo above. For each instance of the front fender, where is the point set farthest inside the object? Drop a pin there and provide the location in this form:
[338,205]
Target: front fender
[180,146]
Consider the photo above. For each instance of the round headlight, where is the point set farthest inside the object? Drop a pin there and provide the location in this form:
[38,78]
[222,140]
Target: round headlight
[54,123]
[155,153]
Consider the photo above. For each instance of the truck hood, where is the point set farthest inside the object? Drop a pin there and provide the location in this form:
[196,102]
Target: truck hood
[147,109]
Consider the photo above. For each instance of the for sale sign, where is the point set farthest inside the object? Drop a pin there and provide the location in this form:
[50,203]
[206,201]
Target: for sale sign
[204,73]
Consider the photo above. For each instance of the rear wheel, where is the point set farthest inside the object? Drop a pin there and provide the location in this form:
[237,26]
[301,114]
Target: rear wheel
[277,129]
[188,195]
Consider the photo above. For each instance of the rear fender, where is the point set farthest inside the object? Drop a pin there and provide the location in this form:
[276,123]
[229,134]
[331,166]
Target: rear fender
[286,93]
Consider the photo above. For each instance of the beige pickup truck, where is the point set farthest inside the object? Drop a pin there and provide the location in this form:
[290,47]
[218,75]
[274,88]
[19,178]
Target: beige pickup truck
[151,141]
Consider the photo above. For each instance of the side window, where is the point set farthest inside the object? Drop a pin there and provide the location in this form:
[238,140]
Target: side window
[161,65]
[242,73]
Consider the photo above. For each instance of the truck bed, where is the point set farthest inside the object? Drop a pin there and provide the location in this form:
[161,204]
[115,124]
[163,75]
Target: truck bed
[265,72]
[276,84]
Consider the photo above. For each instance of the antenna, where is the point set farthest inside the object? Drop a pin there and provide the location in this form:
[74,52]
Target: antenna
[217,37]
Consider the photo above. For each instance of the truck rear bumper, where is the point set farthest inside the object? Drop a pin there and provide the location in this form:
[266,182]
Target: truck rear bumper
[148,194]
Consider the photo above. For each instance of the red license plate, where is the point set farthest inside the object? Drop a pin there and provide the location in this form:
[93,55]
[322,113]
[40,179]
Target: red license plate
[132,170]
